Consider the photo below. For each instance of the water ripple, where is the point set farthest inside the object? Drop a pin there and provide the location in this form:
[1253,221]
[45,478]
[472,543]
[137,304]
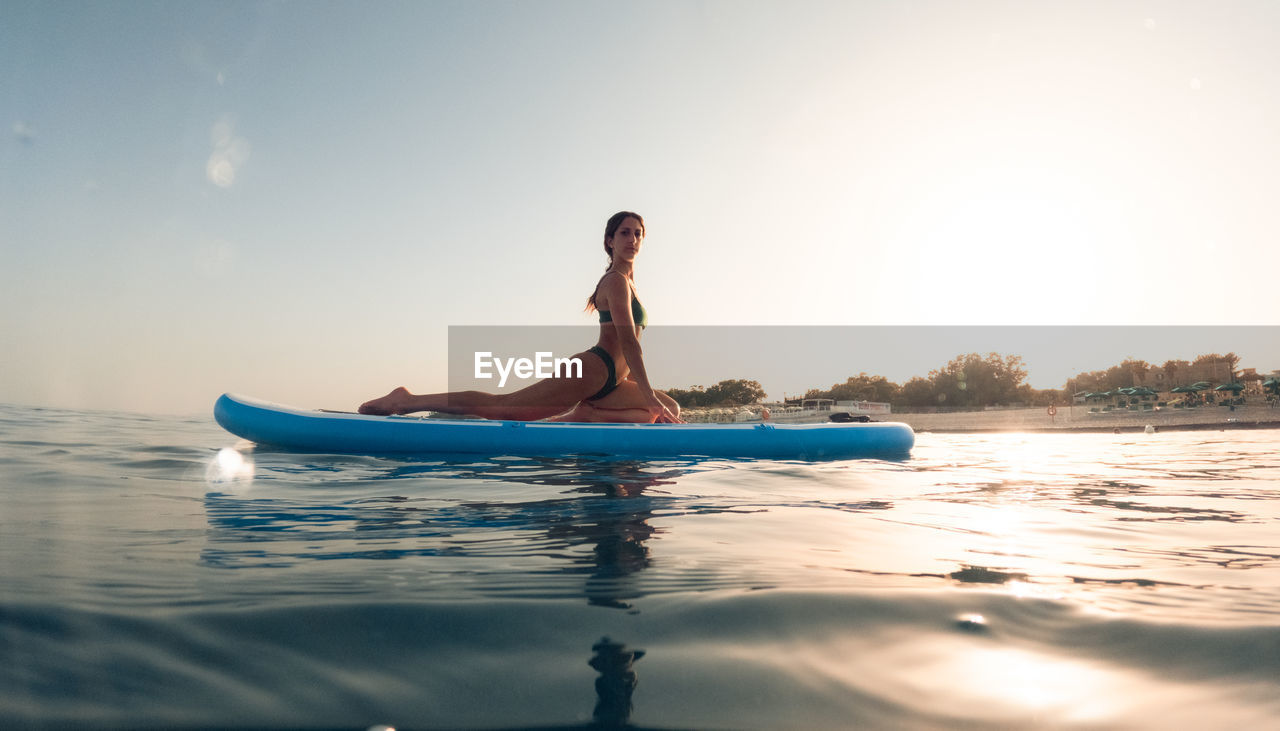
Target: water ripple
[989,580]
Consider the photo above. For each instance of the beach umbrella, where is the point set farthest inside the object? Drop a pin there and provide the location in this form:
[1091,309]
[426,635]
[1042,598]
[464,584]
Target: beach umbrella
[1233,387]
[1200,385]
[1271,385]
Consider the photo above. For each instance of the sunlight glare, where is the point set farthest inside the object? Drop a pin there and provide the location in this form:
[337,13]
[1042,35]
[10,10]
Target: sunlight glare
[1029,681]
[229,466]
[972,622]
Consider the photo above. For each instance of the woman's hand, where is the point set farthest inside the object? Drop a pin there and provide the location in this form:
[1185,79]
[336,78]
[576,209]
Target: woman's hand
[661,414]
[666,417]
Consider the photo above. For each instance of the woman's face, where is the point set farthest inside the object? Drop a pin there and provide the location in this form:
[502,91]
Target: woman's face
[626,240]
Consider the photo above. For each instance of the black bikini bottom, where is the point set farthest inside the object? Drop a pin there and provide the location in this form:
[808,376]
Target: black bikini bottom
[610,383]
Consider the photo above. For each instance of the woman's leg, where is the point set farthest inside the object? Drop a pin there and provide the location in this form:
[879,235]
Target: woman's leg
[585,412]
[571,414]
[540,400]
[627,397]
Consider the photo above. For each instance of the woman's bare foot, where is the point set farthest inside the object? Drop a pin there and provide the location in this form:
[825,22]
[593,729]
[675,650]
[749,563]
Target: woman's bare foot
[396,402]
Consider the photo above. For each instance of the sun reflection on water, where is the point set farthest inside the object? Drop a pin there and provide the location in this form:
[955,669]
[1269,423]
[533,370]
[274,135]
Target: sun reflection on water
[1030,681]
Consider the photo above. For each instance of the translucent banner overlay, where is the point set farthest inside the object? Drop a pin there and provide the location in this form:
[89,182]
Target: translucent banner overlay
[788,360]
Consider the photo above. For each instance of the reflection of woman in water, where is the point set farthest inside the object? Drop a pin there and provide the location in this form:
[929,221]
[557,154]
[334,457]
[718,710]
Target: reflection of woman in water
[614,385]
[617,529]
[616,683]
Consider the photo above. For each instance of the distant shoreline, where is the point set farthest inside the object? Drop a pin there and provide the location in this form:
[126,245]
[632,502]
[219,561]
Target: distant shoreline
[1080,420]
[1077,419]
[1125,428]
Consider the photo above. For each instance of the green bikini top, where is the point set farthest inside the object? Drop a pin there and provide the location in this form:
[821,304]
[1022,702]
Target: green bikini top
[638,315]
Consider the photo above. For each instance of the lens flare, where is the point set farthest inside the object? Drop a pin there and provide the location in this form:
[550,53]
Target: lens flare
[229,155]
[229,466]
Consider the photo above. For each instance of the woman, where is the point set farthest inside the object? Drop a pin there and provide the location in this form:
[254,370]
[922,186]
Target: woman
[614,385]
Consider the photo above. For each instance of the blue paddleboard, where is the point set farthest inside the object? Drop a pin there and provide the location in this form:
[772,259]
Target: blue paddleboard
[343,433]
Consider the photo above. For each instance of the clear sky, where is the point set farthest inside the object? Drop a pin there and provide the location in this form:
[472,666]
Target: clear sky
[296,200]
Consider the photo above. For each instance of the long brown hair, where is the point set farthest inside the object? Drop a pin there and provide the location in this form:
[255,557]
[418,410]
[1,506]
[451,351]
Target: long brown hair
[610,229]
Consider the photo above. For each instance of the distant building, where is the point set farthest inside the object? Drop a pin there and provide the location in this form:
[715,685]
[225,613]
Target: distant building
[864,407]
[1157,379]
[1251,379]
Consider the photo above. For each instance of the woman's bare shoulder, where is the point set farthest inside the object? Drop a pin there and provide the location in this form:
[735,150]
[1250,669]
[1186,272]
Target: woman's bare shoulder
[613,284]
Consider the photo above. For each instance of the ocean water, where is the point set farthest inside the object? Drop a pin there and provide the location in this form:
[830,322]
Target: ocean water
[157,573]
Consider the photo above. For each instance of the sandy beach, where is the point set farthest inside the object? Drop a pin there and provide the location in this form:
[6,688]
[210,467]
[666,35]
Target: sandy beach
[1261,416]
[1067,418]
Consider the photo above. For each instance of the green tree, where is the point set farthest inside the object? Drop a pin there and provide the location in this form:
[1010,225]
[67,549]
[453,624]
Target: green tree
[1117,376]
[733,392]
[975,381]
[1137,369]
[1172,368]
[1042,397]
[918,392]
[861,387]
[688,398]
[1123,375]
[1231,359]
[736,392]
[1092,381]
